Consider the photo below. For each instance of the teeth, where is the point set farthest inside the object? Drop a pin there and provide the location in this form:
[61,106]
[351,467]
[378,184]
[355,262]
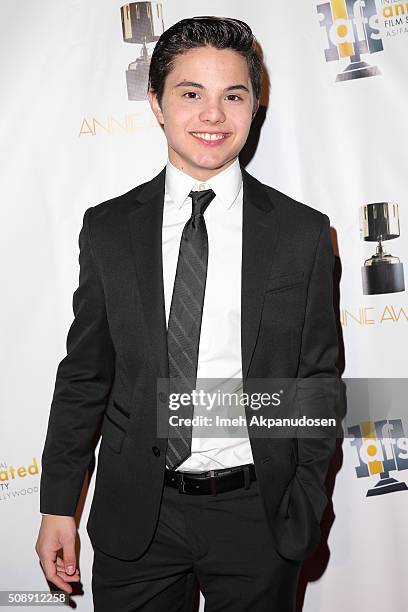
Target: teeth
[206,136]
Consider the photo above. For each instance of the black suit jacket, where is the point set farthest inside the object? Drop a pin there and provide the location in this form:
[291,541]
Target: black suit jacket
[116,351]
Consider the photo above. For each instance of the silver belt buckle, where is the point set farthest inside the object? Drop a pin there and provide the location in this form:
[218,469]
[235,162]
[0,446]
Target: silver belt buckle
[182,487]
[213,485]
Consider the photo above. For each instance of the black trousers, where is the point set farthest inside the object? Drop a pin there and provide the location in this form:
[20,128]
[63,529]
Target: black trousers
[220,544]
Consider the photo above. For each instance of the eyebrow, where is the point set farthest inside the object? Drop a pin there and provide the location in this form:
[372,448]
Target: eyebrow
[200,86]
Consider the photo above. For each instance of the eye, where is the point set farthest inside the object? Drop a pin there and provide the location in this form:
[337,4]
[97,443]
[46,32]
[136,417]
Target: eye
[236,98]
[191,95]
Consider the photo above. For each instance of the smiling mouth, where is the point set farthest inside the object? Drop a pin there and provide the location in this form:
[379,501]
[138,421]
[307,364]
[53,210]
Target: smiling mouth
[210,137]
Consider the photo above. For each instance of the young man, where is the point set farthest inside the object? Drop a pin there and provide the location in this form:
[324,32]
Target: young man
[202,271]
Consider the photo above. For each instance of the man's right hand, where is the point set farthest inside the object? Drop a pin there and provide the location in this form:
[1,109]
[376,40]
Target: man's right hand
[56,533]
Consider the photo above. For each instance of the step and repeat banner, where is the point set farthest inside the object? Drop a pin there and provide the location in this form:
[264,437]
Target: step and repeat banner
[332,132]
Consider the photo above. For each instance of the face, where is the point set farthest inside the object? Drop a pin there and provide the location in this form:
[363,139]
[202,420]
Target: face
[206,110]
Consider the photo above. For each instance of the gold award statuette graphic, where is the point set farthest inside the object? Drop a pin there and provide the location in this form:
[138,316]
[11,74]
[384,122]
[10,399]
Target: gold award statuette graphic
[381,448]
[142,24]
[381,273]
[353,29]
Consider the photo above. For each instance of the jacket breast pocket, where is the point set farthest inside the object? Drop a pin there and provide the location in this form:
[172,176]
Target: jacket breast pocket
[280,282]
[283,308]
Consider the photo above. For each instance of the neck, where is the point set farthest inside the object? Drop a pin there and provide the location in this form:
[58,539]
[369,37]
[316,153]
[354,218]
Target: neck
[200,174]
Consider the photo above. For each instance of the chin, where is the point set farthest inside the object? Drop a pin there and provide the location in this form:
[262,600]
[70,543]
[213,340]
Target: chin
[213,163]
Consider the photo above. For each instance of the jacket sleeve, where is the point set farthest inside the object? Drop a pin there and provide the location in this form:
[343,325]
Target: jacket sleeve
[297,524]
[318,377]
[83,382]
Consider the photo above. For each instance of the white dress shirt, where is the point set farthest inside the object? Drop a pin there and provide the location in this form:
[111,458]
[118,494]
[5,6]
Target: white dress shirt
[220,340]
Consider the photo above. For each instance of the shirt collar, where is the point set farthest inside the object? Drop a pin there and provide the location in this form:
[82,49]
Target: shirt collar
[226,185]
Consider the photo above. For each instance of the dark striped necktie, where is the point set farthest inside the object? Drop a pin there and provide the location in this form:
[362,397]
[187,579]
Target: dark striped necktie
[183,335]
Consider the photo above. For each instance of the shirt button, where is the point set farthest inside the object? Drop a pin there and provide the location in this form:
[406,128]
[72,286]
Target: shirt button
[202,187]
[156,451]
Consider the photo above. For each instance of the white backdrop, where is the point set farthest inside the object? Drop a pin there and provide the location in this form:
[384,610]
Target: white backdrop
[70,138]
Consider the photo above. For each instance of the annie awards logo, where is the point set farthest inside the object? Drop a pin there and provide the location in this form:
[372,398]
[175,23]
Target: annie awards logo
[353,29]
[381,448]
[142,25]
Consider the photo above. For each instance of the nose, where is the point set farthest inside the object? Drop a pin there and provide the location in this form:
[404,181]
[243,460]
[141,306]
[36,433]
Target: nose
[212,113]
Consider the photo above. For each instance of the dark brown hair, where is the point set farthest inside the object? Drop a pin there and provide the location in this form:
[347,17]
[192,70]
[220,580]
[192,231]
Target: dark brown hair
[217,32]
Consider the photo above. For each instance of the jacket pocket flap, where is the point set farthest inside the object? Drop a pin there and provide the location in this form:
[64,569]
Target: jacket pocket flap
[112,433]
[119,415]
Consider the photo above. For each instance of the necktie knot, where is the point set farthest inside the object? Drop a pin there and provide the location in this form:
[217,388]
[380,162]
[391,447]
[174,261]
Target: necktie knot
[201,200]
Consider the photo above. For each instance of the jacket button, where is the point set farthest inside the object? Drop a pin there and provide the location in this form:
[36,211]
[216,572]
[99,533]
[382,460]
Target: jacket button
[156,451]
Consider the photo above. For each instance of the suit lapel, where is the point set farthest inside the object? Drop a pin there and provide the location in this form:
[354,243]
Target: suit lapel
[259,239]
[260,227]
[145,224]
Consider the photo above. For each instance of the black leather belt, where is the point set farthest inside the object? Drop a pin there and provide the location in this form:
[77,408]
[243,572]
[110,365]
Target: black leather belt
[212,482]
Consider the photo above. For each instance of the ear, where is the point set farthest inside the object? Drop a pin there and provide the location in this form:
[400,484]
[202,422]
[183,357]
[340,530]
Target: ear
[256,107]
[154,105]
